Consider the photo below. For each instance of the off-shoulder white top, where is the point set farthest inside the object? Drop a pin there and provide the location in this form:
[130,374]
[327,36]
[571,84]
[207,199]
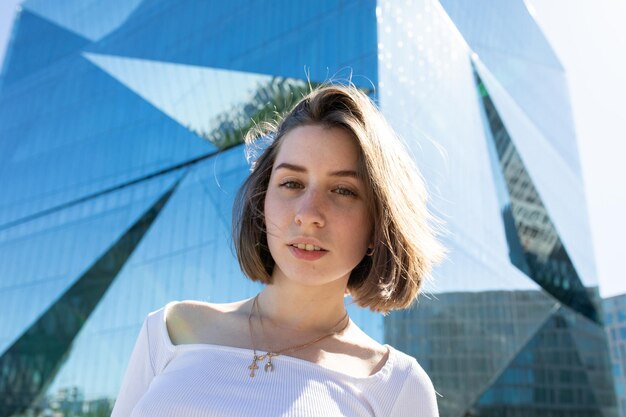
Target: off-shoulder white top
[196,380]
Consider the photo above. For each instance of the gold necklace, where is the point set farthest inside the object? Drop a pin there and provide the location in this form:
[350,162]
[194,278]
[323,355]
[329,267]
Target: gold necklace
[269,366]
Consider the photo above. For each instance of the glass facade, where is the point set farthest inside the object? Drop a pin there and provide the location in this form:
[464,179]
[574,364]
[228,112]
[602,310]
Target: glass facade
[535,246]
[510,325]
[615,325]
[120,131]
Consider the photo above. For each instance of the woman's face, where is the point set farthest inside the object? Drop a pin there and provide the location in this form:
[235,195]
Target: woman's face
[318,227]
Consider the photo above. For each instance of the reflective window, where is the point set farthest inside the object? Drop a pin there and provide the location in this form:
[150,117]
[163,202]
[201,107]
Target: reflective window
[544,259]
[120,124]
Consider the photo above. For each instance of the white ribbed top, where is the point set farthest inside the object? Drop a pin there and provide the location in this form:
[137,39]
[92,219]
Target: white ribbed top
[188,380]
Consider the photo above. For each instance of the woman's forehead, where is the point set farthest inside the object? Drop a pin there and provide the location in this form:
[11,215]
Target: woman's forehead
[318,147]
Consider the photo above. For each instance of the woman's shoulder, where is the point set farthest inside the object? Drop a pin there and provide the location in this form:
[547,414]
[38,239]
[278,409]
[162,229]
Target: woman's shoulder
[190,308]
[416,393]
[194,321]
[361,351]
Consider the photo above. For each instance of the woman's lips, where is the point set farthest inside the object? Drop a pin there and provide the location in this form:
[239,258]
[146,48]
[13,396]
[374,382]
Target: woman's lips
[307,255]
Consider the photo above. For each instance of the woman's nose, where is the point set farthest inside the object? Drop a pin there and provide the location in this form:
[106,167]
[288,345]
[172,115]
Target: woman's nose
[310,209]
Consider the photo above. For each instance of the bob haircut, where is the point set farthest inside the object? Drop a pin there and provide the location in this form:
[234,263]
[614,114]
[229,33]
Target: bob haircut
[405,244]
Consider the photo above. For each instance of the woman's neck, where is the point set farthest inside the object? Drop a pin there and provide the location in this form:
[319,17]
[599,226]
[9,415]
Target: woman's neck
[302,309]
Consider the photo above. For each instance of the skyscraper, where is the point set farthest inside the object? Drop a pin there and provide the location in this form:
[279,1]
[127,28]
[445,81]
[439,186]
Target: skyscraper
[120,124]
[615,321]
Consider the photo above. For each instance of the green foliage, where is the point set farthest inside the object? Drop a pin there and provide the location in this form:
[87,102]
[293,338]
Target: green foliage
[267,104]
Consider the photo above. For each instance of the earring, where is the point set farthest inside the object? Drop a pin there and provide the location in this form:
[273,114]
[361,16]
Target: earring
[370,252]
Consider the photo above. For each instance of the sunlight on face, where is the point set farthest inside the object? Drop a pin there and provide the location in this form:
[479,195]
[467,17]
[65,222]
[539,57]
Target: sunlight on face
[318,226]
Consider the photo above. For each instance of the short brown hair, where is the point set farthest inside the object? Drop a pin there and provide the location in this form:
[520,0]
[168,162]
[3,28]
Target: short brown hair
[406,245]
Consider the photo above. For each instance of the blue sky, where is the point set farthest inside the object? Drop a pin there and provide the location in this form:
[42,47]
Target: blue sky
[590,40]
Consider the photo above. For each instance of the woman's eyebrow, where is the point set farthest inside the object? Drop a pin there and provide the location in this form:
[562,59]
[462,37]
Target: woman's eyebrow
[291,167]
[341,173]
[345,173]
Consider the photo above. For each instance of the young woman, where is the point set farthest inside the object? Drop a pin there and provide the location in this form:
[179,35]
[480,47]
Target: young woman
[333,206]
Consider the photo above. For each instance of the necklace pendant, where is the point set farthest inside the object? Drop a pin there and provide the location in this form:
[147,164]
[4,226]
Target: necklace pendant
[253,366]
[269,366]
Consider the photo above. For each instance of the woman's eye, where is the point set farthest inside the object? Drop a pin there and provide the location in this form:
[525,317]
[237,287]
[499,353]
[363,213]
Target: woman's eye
[345,191]
[290,184]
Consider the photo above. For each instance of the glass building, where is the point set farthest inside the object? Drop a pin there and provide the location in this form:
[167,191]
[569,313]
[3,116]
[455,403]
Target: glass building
[120,124]
[615,322]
